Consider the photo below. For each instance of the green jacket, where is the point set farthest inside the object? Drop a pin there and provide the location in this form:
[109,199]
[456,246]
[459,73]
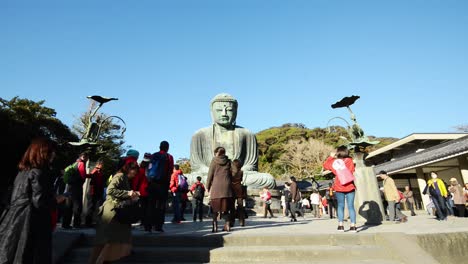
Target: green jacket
[117,191]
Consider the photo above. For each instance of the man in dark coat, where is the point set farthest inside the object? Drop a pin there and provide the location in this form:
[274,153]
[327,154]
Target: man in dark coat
[158,188]
[295,198]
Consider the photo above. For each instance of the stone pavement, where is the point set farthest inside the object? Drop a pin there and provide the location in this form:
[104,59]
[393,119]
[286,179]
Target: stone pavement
[420,224]
[279,241]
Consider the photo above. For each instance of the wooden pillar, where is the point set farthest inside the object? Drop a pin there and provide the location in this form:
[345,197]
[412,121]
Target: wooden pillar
[463,163]
[422,184]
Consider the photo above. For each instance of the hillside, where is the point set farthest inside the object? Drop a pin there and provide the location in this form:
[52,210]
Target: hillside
[294,149]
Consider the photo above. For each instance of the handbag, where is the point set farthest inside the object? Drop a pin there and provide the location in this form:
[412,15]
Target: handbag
[128,211]
[344,175]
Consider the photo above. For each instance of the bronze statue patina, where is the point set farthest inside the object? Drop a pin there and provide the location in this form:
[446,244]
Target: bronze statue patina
[91,135]
[239,143]
[357,137]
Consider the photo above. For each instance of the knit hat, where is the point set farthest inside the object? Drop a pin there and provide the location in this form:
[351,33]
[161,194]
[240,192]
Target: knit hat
[147,157]
[133,153]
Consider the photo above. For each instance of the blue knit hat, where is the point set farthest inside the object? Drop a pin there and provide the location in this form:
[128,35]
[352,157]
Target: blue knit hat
[133,153]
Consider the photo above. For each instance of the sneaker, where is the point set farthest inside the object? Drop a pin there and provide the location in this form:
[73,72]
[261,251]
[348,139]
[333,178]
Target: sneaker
[353,229]
[341,228]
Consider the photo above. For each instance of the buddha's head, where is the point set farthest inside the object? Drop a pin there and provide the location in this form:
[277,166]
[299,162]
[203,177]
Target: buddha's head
[224,110]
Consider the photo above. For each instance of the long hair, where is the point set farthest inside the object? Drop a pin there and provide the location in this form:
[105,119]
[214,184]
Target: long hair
[38,154]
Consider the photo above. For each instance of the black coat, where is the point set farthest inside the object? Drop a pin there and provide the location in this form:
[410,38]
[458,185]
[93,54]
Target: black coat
[26,226]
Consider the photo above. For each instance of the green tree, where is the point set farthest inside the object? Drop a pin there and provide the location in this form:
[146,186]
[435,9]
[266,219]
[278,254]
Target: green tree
[111,138]
[21,121]
[185,165]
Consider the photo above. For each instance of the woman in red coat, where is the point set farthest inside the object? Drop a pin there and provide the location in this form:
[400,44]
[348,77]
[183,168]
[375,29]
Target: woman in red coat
[342,167]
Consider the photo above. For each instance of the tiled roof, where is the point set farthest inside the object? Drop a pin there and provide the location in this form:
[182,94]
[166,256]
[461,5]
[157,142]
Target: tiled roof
[434,154]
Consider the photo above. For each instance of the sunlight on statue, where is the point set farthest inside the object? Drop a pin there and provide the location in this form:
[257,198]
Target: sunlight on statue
[239,143]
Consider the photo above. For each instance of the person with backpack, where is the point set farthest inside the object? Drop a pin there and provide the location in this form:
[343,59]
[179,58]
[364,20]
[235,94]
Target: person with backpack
[288,200]
[178,186]
[159,175]
[184,200]
[96,192]
[239,193]
[75,176]
[198,194]
[342,166]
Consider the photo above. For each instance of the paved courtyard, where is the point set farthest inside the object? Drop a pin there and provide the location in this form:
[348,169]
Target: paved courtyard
[420,224]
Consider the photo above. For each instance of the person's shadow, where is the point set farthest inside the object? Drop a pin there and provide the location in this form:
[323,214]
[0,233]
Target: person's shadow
[370,211]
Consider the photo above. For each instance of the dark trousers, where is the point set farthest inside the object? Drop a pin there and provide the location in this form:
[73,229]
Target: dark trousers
[267,210]
[156,210]
[183,207]
[440,205]
[239,211]
[197,209]
[460,210]
[93,204]
[176,201]
[39,247]
[411,207]
[331,207]
[292,210]
[74,207]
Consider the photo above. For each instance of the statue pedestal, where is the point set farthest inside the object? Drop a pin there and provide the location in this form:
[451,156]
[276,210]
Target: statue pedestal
[368,201]
[254,205]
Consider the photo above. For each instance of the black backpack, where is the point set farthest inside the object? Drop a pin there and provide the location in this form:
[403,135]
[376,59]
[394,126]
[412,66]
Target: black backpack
[199,193]
[287,196]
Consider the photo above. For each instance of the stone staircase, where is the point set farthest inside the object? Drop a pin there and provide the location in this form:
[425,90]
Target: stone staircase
[225,248]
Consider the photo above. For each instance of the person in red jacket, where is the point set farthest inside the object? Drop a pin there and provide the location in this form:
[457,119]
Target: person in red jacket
[176,194]
[342,166]
[96,193]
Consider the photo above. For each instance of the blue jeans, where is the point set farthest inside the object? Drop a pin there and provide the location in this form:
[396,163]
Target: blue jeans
[349,197]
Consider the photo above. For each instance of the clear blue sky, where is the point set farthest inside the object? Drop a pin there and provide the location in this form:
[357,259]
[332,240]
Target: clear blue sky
[285,61]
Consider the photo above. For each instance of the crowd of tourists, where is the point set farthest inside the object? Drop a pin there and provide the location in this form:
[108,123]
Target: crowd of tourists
[139,193]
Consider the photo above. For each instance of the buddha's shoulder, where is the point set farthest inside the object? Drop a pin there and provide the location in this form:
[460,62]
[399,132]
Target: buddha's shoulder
[203,131]
[209,131]
[243,130]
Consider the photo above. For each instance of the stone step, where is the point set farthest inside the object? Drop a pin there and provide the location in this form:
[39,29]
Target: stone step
[151,255]
[216,241]
[287,254]
[240,254]
[372,261]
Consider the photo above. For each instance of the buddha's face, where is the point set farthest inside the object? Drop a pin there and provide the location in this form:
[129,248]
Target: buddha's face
[224,113]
